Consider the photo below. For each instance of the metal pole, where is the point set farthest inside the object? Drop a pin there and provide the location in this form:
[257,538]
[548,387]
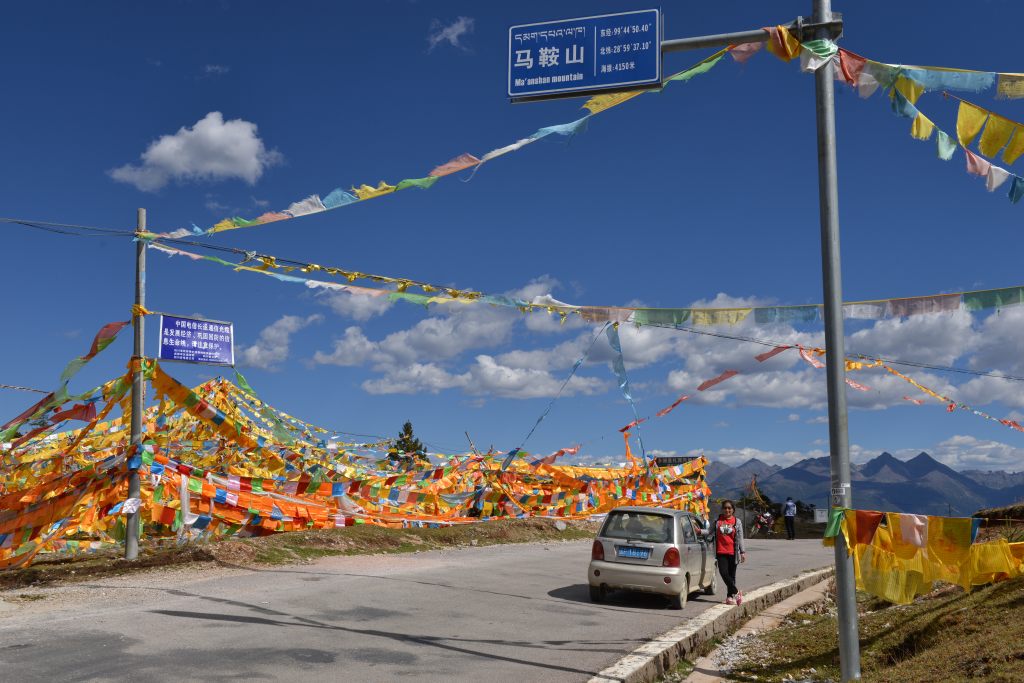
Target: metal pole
[131,536]
[839,445]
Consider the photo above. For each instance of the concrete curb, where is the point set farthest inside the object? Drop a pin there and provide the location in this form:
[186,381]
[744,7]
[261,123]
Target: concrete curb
[657,656]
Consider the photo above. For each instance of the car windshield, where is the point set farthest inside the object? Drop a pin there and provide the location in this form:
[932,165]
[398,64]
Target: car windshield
[639,526]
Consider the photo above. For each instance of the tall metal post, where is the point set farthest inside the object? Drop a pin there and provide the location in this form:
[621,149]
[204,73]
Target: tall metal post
[131,537]
[835,359]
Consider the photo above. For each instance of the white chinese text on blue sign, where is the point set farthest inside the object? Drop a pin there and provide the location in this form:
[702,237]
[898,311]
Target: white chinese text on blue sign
[192,340]
[590,53]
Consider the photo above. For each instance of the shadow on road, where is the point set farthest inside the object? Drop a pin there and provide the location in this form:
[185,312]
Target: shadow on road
[580,592]
[429,641]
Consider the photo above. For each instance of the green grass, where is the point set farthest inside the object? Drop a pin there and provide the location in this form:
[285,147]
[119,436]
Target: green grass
[948,636]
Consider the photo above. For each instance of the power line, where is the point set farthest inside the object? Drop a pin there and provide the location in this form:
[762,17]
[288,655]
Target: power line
[894,361]
[68,228]
[17,388]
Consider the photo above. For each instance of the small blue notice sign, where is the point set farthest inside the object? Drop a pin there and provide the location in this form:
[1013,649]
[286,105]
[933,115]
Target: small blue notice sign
[605,52]
[192,340]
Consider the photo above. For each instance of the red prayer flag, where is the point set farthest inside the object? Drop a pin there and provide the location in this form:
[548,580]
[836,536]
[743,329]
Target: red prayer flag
[850,66]
[717,380]
[665,411]
[762,357]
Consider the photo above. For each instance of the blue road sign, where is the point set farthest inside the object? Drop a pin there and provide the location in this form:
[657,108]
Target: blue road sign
[605,52]
[192,340]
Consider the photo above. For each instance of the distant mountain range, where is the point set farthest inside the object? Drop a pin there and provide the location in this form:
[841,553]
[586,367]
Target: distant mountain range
[920,485]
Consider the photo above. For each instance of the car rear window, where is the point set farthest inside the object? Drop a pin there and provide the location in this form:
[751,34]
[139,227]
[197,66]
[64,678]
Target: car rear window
[639,526]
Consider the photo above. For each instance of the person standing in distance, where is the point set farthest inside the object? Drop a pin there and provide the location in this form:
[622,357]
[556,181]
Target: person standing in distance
[728,533]
[789,513]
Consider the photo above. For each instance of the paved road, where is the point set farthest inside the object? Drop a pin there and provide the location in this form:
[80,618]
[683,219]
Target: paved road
[502,613]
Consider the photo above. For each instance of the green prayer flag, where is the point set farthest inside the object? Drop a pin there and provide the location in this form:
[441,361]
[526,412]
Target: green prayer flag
[422,183]
[946,145]
[411,297]
[195,485]
[822,47]
[72,368]
[243,384]
[257,485]
[661,316]
[993,298]
[835,518]
[701,68]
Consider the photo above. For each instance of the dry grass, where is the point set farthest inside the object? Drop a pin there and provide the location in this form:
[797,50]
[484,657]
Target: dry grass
[948,636]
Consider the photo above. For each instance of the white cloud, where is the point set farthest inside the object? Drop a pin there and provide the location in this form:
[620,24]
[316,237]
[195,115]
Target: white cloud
[938,338]
[215,206]
[487,376]
[272,346]
[451,33]
[215,69]
[437,343]
[738,456]
[356,306]
[352,349]
[967,452]
[413,379]
[212,149]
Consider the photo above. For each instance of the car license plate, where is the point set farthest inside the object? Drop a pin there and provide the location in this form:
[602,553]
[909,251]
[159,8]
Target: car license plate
[630,551]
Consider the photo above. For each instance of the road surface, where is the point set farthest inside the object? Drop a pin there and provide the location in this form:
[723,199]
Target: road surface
[500,613]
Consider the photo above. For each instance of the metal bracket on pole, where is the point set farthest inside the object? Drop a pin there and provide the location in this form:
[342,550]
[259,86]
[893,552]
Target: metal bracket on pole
[800,28]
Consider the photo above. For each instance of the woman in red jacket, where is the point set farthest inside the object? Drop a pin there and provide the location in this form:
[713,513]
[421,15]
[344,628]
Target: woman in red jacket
[729,548]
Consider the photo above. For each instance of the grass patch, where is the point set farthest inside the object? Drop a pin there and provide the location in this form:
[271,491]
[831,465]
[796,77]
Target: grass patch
[948,635]
[298,546]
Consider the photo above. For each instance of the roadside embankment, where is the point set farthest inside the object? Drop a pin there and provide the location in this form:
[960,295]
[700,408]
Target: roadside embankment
[299,546]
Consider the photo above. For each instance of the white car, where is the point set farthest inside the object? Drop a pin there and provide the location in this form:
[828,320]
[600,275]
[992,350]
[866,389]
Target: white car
[652,550]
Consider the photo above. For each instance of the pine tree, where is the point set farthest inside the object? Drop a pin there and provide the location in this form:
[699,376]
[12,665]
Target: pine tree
[408,449]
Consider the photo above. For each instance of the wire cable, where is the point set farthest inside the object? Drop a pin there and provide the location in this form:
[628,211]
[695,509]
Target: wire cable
[894,361]
[68,228]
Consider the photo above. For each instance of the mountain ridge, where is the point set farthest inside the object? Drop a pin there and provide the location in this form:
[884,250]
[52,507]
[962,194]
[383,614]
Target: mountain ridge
[921,484]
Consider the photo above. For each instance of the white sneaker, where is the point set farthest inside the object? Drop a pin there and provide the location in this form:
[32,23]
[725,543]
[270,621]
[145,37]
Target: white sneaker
[730,601]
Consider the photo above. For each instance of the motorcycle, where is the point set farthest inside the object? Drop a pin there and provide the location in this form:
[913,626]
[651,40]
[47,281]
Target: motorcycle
[765,522]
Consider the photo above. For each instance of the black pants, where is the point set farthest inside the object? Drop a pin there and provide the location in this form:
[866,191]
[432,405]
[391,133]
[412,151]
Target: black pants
[727,568]
[790,527]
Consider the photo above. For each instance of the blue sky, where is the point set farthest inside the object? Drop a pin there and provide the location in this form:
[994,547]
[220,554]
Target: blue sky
[706,192]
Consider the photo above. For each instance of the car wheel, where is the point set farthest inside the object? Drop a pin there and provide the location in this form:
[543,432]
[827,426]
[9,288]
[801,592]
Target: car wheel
[679,601]
[597,594]
[712,587]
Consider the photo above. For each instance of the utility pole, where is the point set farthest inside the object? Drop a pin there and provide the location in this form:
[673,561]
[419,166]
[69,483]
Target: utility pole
[131,536]
[823,24]
[835,358]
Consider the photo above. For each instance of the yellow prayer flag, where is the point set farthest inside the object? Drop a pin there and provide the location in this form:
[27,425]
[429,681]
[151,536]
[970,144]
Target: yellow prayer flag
[997,134]
[599,103]
[226,224]
[782,44]
[1016,146]
[922,127]
[1010,86]
[969,121]
[910,89]
[369,192]
[719,316]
